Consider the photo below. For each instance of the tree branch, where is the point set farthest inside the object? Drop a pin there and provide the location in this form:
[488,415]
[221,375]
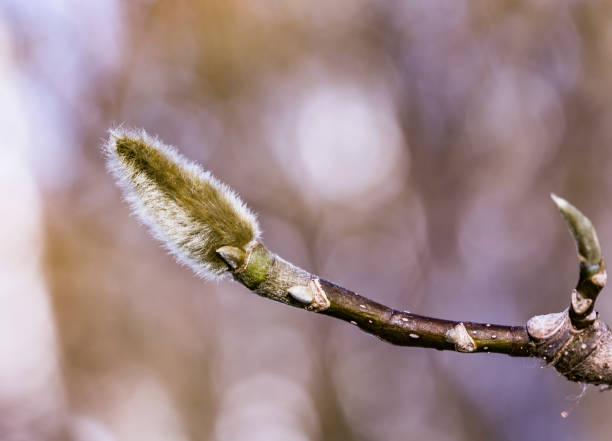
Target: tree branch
[592,267]
[205,225]
[293,286]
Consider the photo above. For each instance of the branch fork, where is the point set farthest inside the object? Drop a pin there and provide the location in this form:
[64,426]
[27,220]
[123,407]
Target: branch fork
[576,342]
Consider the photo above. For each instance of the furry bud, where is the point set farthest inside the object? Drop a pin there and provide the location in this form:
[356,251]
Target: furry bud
[185,207]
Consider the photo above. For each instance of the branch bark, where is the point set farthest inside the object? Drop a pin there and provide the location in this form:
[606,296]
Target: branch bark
[574,341]
[205,225]
[285,283]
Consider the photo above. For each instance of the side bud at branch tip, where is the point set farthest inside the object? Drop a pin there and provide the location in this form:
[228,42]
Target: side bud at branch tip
[186,207]
[582,230]
[576,342]
[592,266]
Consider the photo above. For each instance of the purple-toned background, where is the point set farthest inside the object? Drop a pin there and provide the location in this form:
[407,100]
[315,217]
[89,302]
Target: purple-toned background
[405,150]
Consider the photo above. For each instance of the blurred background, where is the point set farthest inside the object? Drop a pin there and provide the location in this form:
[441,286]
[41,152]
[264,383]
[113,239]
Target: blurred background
[405,150]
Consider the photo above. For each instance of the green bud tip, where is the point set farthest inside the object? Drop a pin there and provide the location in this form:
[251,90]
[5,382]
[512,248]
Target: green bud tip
[582,230]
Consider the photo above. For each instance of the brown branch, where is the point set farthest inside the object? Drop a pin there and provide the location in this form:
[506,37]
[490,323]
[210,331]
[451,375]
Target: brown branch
[408,329]
[575,341]
[205,225]
[288,284]
[285,283]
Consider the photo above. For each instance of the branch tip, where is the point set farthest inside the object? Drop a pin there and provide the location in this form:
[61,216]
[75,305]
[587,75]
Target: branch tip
[583,232]
[592,266]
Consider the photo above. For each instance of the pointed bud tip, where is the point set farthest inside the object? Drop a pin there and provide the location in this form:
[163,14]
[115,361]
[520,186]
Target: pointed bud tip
[559,202]
[582,230]
[120,138]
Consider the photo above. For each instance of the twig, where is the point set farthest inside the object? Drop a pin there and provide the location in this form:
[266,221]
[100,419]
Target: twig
[285,283]
[592,266]
[205,225]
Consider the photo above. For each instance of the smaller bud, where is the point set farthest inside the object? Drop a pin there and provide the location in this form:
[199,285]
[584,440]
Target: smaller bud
[543,327]
[233,256]
[302,294]
[460,338]
[583,231]
[580,303]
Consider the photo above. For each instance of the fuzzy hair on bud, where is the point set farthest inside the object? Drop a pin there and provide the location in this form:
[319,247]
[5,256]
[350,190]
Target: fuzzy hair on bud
[185,207]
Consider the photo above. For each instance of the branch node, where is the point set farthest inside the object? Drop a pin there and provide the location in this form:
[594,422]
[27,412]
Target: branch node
[320,302]
[580,304]
[542,327]
[302,294]
[254,269]
[600,278]
[459,336]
